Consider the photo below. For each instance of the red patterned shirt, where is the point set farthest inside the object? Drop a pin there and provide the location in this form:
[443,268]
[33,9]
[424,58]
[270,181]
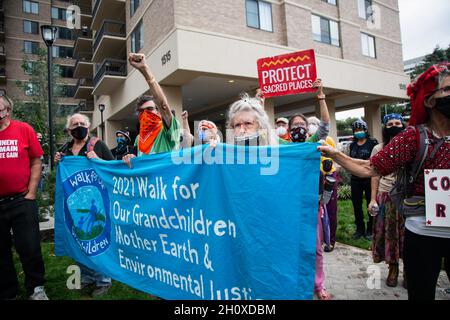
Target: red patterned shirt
[403,149]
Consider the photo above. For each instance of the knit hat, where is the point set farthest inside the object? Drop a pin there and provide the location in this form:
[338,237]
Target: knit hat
[359,124]
[125,133]
[422,88]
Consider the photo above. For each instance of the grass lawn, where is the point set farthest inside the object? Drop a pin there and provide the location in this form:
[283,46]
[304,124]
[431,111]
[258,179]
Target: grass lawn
[56,267]
[346,225]
[56,277]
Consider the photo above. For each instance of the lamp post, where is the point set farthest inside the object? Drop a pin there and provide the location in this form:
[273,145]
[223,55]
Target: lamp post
[101,107]
[49,36]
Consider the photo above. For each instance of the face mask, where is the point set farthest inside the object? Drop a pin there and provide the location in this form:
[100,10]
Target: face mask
[359,135]
[252,140]
[202,136]
[393,131]
[120,141]
[298,134]
[79,133]
[281,131]
[443,106]
[312,129]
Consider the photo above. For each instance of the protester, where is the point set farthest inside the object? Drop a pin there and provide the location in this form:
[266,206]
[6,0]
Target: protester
[298,123]
[298,128]
[331,207]
[93,148]
[361,148]
[249,123]
[20,172]
[123,145]
[159,130]
[388,227]
[282,126]
[427,135]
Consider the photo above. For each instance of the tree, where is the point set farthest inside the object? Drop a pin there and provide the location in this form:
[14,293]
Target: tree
[438,55]
[36,87]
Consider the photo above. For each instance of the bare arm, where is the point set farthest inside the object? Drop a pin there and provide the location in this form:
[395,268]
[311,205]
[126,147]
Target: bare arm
[187,136]
[324,114]
[357,167]
[137,60]
[35,168]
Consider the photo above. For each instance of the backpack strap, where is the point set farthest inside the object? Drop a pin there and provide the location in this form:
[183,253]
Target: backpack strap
[418,162]
[91,144]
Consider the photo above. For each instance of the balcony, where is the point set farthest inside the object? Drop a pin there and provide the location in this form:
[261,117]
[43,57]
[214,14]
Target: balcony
[2,54]
[2,76]
[85,11]
[83,89]
[110,74]
[107,9]
[83,42]
[83,66]
[2,32]
[85,106]
[110,39]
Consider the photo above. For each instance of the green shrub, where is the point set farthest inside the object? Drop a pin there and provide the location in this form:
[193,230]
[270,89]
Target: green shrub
[344,192]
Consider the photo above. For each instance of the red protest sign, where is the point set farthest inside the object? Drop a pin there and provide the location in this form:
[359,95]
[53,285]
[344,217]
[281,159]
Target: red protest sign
[287,74]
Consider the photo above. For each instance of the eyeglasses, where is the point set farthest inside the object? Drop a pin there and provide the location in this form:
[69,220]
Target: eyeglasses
[445,89]
[246,124]
[78,124]
[3,94]
[147,108]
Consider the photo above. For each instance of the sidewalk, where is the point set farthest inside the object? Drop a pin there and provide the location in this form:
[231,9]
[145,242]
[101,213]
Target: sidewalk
[346,277]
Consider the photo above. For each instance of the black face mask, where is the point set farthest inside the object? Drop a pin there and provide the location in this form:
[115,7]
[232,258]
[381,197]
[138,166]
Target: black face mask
[298,134]
[252,140]
[79,133]
[393,131]
[443,106]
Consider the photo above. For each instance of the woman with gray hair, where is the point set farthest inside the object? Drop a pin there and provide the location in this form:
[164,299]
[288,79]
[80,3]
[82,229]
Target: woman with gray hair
[249,124]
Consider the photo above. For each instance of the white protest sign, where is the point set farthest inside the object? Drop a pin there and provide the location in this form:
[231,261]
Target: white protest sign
[437,197]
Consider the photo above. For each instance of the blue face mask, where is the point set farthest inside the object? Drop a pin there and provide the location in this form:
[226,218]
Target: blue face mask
[120,140]
[359,135]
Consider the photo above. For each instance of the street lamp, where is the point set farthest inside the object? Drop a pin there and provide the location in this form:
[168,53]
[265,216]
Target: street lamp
[101,107]
[49,36]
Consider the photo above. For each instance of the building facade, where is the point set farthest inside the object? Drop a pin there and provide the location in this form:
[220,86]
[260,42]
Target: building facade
[204,53]
[20,38]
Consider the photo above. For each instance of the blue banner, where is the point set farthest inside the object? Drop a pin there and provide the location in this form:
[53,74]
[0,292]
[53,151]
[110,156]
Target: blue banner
[217,224]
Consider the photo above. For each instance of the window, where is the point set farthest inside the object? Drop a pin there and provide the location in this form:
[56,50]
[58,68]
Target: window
[30,7]
[66,71]
[365,9]
[31,47]
[134,4]
[368,45]
[30,27]
[324,30]
[29,66]
[31,89]
[330,1]
[58,13]
[137,38]
[65,91]
[259,15]
[64,33]
[62,52]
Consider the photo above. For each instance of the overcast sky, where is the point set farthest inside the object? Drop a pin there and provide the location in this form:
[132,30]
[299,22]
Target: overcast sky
[424,23]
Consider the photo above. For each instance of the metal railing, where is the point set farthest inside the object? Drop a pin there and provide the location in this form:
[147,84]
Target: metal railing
[96,5]
[111,67]
[110,28]
[84,33]
[85,6]
[86,106]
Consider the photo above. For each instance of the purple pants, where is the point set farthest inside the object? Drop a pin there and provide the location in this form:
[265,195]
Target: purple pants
[332,213]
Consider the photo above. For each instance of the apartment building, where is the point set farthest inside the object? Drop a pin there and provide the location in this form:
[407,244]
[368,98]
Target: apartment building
[204,53]
[20,38]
